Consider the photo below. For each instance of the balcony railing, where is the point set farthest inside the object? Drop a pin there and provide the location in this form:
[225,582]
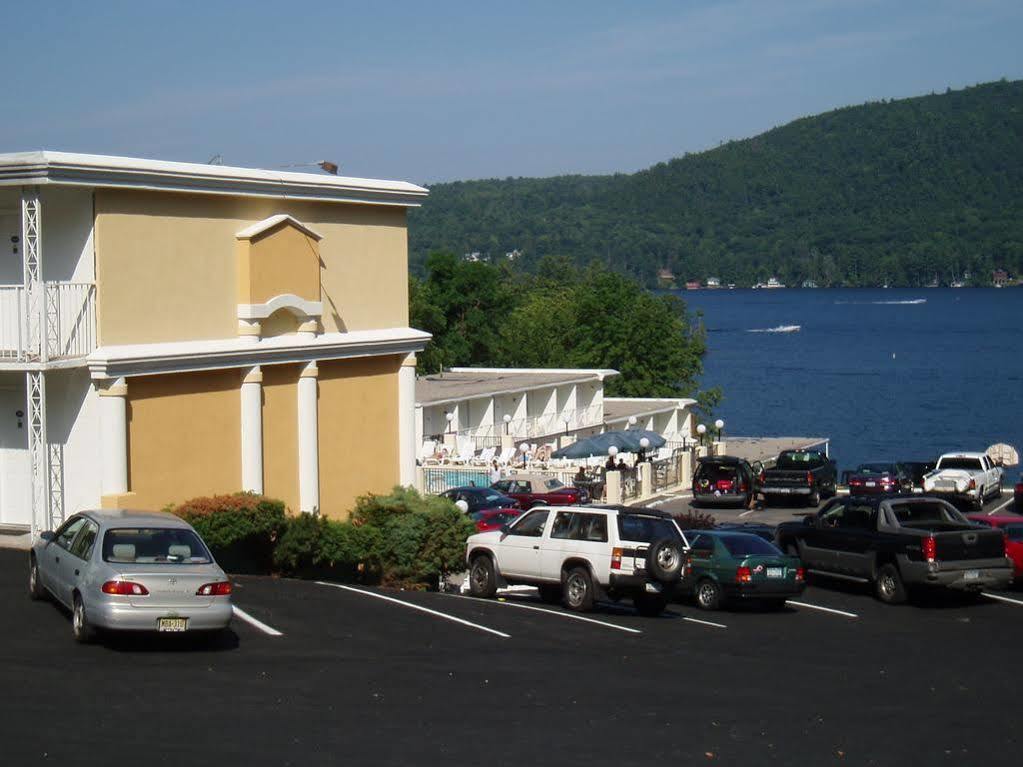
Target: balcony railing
[59,323]
[544,425]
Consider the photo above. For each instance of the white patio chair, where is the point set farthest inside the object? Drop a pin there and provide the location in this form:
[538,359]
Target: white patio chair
[429,453]
[506,456]
[485,457]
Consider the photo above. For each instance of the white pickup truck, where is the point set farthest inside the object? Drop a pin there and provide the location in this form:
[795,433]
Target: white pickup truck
[972,477]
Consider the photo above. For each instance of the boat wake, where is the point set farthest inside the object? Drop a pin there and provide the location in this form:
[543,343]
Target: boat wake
[906,302]
[779,329]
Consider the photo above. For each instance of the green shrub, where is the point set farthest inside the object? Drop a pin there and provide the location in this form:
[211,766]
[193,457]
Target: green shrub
[241,529]
[695,520]
[316,546]
[410,539]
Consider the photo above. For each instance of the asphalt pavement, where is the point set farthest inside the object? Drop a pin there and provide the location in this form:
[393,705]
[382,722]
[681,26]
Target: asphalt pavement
[368,676]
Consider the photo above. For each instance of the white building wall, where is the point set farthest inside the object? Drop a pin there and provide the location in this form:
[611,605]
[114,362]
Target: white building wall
[67,235]
[72,421]
[15,484]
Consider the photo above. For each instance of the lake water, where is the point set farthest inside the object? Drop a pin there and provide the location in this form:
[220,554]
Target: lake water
[886,374]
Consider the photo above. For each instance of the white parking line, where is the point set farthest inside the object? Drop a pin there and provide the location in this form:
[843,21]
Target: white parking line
[705,623]
[999,508]
[822,609]
[239,612]
[411,606]
[572,616]
[1002,599]
[747,512]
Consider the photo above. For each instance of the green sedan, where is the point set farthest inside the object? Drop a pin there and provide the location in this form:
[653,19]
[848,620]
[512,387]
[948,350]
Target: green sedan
[731,567]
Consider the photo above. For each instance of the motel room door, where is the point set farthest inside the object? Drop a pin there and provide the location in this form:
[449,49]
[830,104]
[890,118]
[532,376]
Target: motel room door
[15,507]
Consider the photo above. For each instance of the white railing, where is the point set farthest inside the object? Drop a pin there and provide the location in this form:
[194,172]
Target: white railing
[544,425]
[66,322]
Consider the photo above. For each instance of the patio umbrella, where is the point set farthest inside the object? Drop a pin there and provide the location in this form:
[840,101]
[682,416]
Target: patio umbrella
[1003,455]
[598,444]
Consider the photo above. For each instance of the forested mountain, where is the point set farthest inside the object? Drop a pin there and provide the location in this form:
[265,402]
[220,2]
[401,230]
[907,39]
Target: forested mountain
[904,191]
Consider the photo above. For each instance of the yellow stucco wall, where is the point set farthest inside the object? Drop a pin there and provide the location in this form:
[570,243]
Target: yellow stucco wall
[167,263]
[358,430]
[282,260]
[184,437]
[280,433]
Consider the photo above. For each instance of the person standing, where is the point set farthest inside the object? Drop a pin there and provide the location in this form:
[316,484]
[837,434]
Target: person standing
[495,472]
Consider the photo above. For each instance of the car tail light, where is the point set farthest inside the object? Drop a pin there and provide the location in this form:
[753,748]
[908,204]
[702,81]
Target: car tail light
[687,566]
[616,559]
[929,547]
[800,574]
[742,488]
[809,477]
[125,588]
[855,482]
[743,575]
[973,484]
[218,589]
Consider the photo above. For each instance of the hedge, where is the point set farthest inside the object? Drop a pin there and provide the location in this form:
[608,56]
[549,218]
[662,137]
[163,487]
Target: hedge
[241,529]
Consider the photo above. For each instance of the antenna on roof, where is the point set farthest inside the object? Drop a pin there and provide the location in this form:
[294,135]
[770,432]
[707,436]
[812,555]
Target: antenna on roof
[325,165]
[217,159]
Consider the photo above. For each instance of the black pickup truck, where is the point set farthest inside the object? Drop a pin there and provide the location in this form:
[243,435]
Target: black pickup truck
[898,543]
[806,474]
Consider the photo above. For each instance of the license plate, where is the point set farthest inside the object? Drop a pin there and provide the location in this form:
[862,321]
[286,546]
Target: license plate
[775,572]
[172,624]
[971,575]
[870,484]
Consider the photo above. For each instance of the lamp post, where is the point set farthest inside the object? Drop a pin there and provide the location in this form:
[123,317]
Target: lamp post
[524,448]
[644,443]
[720,426]
[701,430]
[567,419]
[449,417]
[612,451]
[632,421]
[507,420]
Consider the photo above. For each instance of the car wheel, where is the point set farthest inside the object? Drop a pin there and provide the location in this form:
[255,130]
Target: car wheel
[708,595]
[978,503]
[482,578]
[889,586]
[36,590]
[80,626]
[577,591]
[650,605]
[550,594]
[664,560]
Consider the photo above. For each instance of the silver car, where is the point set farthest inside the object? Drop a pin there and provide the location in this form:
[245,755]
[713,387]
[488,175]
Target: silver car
[130,571]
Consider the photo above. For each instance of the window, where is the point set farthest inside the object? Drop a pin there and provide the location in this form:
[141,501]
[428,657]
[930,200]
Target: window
[832,515]
[553,484]
[967,464]
[909,513]
[641,527]
[155,545]
[523,487]
[86,540]
[800,461]
[531,525]
[504,486]
[748,546]
[577,526]
[857,518]
[67,533]
[1015,532]
[703,546]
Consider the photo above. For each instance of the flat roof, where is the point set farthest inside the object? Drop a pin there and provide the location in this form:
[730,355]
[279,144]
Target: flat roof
[620,408]
[470,383]
[93,170]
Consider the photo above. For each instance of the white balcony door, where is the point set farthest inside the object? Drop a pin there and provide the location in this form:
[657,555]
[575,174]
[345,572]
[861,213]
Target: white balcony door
[15,483]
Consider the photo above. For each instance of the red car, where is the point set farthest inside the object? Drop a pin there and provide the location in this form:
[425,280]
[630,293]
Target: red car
[880,479]
[1018,496]
[1012,526]
[537,490]
[493,519]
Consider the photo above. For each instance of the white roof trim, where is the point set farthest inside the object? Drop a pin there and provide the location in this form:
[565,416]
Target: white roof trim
[67,168]
[256,229]
[186,356]
[600,373]
[284,301]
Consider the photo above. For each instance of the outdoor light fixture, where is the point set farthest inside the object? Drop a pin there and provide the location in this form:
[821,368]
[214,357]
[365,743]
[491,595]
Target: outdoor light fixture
[567,419]
[644,443]
[632,420]
[612,451]
[701,430]
[507,420]
[720,426]
[449,417]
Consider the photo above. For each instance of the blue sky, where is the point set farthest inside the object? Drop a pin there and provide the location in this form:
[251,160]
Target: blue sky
[451,90]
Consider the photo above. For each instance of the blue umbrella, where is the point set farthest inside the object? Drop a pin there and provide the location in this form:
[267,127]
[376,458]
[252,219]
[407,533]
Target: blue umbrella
[599,444]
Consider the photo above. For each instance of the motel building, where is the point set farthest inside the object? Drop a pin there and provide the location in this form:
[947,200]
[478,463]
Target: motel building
[170,330]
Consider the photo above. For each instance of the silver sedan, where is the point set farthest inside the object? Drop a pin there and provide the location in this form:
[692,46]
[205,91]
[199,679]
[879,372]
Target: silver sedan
[133,571]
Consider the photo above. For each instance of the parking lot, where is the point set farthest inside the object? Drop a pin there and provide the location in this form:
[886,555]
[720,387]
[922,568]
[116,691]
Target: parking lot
[357,675]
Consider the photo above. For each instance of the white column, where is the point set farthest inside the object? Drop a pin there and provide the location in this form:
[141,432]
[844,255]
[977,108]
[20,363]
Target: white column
[113,398]
[407,421]
[252,430]
[308,441]
[308,327]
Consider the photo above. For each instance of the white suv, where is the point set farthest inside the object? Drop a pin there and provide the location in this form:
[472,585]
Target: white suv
[578,554]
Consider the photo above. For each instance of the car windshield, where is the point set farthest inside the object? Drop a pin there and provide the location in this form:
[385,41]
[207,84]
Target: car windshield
[967,464]
[715,472]
[749,546]
[800,461]
[154,545]
[554,484]
[640,527]
[875,468]
[1015,532]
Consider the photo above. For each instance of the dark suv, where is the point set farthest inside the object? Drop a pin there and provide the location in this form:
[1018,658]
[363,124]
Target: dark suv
[725,479]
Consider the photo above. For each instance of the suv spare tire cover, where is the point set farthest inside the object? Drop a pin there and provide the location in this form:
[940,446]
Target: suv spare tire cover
[664,560]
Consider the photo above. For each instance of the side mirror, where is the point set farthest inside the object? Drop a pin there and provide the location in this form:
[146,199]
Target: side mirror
[505,528]
[47,536]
